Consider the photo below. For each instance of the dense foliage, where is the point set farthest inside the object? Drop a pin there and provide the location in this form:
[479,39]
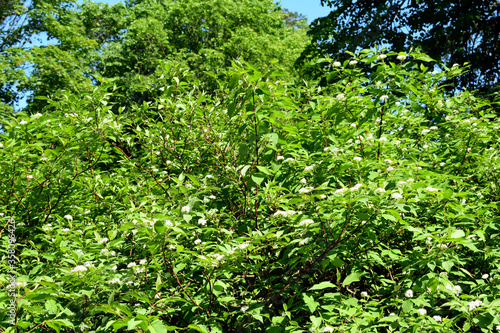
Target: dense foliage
[371,205]
[132,42]
[453,31]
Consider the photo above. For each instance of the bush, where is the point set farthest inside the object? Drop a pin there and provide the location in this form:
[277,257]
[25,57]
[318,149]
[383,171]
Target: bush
[369,205]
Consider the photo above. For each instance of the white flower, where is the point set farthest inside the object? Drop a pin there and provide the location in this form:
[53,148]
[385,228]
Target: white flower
[209,176]
[383,138]
[425,146]
[442,246]
[384,97]
[289,159]
[172,247]
[411,180]
[397,142]
[158,295]
[353,125]
[381,57]
[38,115]
[434,72]
[357,158]
[474,304]
[212,197]
[139,270]
[425,131]
[306,222]
[65,229]
[422,312]
[79,269]
[284,213]
[340,190]
[409,293]
[197,241]
[114,281]
[112,253]
[392,314]
[401,57]
[328,329]
[185,209]
[364,294]
[309,168]
[1,145]
[303,181]
[337,64]
[68,217]
[379,190]
[431,189]
[243,246]
[341,97]
[356,187]
[280,158]
[437,318]
[21,284]
[322,196]
[389,168]
[244,308]
[305,190]
[132,264]
[353,62]
[169,223]
[102,241]
[485,276]
[23,122]
[388,161]
[396,195]
[104,251]
[303,241]
[142,262]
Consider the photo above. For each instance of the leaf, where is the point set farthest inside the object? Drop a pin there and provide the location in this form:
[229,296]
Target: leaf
[243,150]
[312,305]
[258,178]
[447,265]
[322,285]
[230,109]
[457,234]
[353,277]
[448,193]
[199,328]
[407,305]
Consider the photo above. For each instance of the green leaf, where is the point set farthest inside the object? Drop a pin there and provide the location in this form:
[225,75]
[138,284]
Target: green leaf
[312,305]
[353,277]
[199,328]
[407,306]
[322,285]
[457,234]
[447,265]
[258,178]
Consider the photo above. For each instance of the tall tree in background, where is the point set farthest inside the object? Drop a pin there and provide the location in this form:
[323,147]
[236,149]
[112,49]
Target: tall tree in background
[451,31]
[129,43]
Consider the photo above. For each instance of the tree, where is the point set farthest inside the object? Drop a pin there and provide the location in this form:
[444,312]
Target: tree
[137,37]
[29,70]
[450,31]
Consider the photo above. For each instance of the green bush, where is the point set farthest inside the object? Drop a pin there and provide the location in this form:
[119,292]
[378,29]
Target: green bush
[368,205]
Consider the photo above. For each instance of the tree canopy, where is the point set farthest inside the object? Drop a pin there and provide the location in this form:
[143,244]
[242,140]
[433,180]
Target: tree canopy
[129,42]
[461,32]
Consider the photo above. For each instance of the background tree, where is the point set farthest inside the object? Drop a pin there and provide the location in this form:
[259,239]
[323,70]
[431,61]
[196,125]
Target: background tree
[447,30]
[128,43]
